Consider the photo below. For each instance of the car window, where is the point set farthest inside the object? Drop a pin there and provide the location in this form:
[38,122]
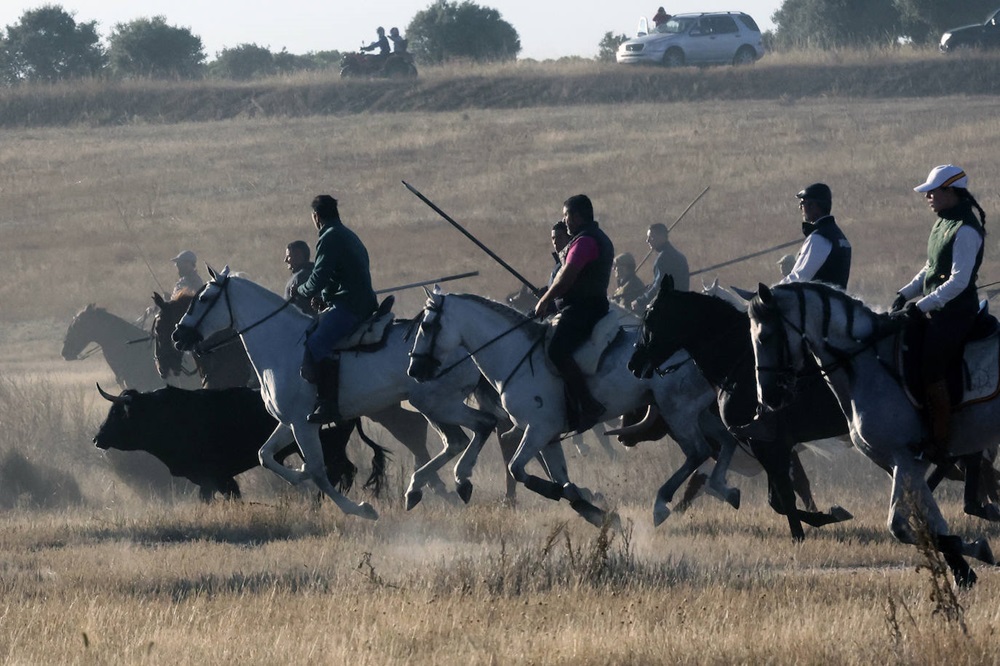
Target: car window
[676,26]
[719,25]
[749,22]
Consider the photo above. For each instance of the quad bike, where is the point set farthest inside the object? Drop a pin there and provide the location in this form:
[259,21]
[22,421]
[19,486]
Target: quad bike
[392,66]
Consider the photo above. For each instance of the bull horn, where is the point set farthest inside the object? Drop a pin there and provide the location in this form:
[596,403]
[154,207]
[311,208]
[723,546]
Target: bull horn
[110,398]
[651,414]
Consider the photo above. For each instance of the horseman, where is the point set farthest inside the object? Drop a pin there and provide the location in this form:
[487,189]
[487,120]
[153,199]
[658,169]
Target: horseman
[580,293]
[825,255]
[945,289]
[669,261]
[297,260]
[187,273]
[341,282]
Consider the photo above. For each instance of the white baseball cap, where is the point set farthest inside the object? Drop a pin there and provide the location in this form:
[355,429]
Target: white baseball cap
[186,255]
[946,175]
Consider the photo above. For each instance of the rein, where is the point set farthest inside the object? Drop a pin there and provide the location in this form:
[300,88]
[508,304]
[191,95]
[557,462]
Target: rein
[429,355]
[236,333]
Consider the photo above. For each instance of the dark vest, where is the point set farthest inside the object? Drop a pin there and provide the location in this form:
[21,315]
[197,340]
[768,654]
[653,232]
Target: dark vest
[837,267]
[941,244]
[591,286]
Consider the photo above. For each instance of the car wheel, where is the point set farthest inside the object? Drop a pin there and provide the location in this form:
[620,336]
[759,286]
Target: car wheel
[745,56]
[673,58]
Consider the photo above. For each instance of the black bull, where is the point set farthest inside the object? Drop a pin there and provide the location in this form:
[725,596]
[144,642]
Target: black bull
[209,436]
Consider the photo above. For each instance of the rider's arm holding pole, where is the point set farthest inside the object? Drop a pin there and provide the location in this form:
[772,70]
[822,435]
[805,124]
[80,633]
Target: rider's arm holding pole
[564,280]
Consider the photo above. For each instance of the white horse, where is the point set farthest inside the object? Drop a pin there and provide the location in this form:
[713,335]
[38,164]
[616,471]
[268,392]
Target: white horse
[506,347]
[853,347]
[274,336]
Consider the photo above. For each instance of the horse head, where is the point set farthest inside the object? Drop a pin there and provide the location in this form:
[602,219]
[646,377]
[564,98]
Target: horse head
[659,334]
[168,359]
[203,317]
[79,333]
[777,360]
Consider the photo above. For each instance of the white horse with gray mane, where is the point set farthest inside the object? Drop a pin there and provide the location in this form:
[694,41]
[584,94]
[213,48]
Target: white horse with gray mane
[274,335]
[854,349]
[506,347]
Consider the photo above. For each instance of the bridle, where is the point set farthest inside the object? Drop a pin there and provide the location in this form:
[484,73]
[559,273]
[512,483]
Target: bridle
[784,368]
[432,329]
[223,289]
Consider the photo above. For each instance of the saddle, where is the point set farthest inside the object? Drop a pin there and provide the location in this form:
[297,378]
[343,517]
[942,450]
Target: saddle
[371,333]
[975,379]
[588,356]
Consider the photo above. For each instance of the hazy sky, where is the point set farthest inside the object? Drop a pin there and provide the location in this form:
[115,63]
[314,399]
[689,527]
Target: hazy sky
[548,29]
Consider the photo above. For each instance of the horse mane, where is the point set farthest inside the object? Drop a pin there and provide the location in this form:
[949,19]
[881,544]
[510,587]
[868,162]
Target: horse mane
[512,315]
[830,291]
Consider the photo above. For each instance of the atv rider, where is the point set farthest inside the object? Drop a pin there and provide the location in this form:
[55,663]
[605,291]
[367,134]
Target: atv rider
[382,44]
[398,42]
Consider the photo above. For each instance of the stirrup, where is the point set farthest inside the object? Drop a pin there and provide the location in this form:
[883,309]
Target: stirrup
[324,413]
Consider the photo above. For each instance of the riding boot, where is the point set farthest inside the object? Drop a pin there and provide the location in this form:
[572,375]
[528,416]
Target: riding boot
[938,408]
[327,389]
[588,410]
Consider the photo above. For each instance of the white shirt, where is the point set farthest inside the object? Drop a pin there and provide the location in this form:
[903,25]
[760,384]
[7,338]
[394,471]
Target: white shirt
[810,258]
[964,250]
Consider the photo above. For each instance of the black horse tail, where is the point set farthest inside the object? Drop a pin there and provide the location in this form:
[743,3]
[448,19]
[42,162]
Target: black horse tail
[380,458]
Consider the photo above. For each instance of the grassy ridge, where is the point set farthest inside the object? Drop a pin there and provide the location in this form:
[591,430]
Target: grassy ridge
[854,75]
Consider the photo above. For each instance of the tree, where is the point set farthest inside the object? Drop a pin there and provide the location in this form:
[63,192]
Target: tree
[447,30]
[243,62]
[47,45]
[925,20]
[150,47]
[608,46]
[836,23]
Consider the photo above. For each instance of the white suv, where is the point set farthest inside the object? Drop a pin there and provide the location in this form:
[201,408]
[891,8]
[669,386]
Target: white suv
[711,38]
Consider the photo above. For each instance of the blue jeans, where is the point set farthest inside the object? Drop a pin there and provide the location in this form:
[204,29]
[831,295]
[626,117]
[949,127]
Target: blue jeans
[333,325]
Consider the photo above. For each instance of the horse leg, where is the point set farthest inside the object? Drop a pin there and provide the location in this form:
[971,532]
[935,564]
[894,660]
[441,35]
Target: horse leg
[484,426]
[508,446]
[229,488]
[800,482]
[715,433]
[455,442]
[661,506]
[696,484]
[910,493]
[410,429]
[605,443]
[554,460]
[975,472]
[307,436]
[531,444]
[268,452]
[774,458]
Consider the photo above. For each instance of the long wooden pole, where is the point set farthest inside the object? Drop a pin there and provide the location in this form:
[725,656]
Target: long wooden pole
[671,227]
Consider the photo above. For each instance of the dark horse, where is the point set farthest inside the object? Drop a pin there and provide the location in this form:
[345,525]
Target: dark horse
[125,346]
[717,336]
[226,366]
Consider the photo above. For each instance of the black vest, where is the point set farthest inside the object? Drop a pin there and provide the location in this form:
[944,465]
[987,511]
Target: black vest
[837,267]
[591,286]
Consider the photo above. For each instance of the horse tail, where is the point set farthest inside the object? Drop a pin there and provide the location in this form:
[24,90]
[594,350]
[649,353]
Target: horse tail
[380,457]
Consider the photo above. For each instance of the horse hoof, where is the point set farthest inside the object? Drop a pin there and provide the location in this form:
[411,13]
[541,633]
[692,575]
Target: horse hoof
[660,513]
[367,511]
[588,512]
[983,552]
[966,580]
[840,514]
[464,490]
[988,512]
[413,498]
[733,498]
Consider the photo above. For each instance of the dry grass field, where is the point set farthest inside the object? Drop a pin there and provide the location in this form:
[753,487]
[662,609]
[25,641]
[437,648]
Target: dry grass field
[96,570]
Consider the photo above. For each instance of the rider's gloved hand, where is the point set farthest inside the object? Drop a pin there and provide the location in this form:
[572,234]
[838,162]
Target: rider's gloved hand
[907,311]
[897,304]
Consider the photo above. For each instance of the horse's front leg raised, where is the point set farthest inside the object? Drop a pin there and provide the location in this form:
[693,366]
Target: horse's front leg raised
[455,441]
[268,455]
[307,437]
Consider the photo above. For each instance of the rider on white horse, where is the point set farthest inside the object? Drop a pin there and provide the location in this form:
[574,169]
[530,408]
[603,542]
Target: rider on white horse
[946,286]
[580,293]
[342,282]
